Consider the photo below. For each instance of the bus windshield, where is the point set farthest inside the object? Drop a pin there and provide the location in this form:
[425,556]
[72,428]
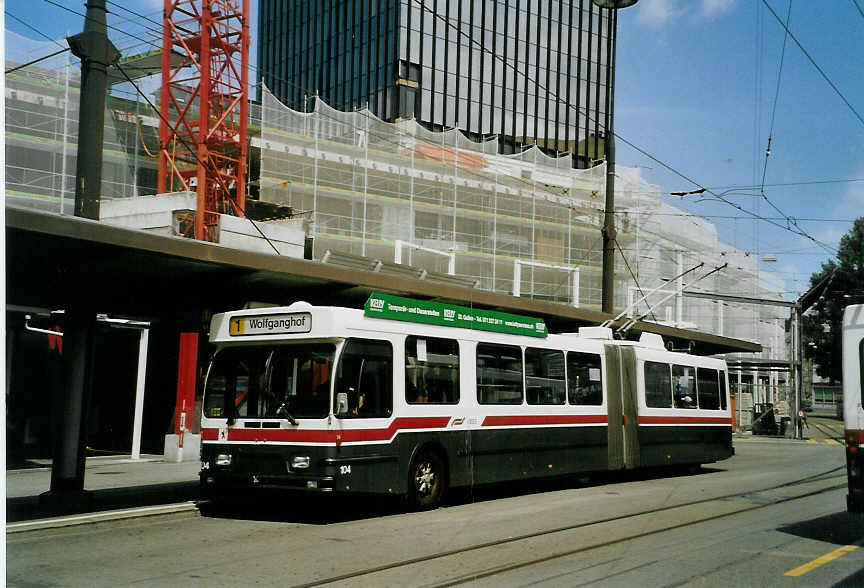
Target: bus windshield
[284,381]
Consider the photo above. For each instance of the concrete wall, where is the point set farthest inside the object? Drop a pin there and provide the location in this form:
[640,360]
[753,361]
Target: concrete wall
[149,213]
[156,214]
[287,236]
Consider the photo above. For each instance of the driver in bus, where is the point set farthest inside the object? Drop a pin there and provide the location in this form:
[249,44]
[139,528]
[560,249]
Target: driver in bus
[361,401]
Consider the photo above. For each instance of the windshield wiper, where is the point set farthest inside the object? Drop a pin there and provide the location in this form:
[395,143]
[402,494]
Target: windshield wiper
[283,410]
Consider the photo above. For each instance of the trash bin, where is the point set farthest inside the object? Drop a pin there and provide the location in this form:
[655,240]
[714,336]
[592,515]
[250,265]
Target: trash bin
[764,422]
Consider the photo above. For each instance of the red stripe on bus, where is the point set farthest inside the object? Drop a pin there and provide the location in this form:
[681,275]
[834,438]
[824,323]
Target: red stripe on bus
[329,436]
[682,420]
[500,421]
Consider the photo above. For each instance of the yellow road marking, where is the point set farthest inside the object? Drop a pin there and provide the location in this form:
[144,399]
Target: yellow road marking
[812,441]
[821,560]
[828,429]
[832,442]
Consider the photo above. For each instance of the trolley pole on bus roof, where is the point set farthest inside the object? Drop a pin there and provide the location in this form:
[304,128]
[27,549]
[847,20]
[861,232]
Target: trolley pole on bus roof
[608,231]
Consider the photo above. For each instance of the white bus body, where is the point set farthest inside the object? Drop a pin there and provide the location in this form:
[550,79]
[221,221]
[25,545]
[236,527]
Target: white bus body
[336,399]
[853,397]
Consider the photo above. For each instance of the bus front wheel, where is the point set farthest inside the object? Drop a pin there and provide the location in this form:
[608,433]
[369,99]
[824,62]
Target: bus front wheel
[426,482]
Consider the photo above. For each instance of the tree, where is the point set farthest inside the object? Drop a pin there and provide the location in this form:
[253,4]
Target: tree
[822,324]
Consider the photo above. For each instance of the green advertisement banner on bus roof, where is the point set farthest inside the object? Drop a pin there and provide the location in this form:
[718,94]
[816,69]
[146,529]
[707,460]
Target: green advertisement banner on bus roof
[387,306]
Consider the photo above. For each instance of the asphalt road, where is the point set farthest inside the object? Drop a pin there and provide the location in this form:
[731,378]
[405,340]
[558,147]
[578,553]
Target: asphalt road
[776,508]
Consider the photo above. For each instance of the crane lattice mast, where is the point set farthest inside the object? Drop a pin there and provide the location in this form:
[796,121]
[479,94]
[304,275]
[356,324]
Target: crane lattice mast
[204,106]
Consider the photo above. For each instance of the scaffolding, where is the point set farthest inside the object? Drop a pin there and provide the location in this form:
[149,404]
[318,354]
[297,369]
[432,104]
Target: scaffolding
[398,192]
[41,139]
[366,185]
[455,206]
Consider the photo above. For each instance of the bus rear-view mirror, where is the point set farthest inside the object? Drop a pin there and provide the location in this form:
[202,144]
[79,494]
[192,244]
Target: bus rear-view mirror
[341,404]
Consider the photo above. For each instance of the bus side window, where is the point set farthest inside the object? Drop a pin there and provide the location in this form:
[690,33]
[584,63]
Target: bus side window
[684,384]
[861,369]
[544,376]
[723,377]
[707,388]
[658,385]
[584,381]
[365,374]
[499,374]
[431,370]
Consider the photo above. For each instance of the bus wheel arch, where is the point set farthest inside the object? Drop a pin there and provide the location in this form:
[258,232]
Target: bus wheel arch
[428,477]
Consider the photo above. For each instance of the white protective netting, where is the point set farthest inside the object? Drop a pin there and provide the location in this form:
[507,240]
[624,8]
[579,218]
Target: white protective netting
[363,184]
[42,102]
[366,184]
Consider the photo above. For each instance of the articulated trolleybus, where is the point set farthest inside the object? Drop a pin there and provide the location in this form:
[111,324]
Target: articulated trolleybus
[853,398]
[412,397]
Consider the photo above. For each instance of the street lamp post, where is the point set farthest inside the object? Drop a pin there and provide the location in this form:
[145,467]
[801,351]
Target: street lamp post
[608,230]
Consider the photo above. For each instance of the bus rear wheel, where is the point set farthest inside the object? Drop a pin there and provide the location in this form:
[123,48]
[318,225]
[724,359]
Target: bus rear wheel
[426,482]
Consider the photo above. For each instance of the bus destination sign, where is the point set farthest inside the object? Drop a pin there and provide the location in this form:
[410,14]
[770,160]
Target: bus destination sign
[387,306]
[271,324]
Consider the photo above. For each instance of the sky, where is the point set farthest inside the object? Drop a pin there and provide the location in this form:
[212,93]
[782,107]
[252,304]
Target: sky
[695,88]
[697,93]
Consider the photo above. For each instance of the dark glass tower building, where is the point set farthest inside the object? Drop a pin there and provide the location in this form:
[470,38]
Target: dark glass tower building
[528,71]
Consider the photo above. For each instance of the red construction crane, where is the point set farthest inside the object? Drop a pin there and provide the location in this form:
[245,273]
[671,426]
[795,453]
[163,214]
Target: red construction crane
[205,107]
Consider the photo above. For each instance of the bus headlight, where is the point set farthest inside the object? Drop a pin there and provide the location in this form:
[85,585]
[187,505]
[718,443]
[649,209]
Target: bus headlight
[300,462]
[223,459]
